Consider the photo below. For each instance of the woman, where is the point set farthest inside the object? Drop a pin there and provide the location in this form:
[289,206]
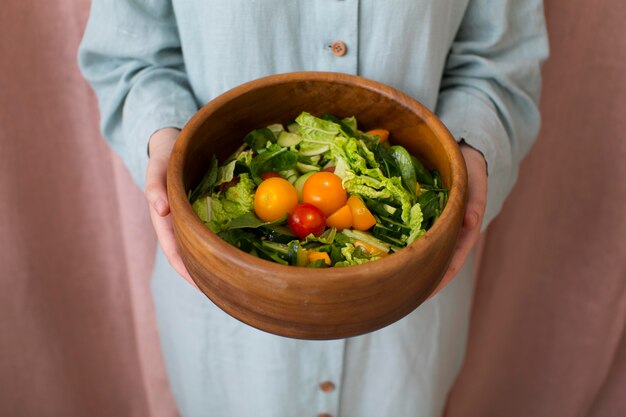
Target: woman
[475,62]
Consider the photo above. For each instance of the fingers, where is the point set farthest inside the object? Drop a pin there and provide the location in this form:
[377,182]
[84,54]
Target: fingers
[160,147]
[466,242]
[474,213]
[477,188]
[165,235]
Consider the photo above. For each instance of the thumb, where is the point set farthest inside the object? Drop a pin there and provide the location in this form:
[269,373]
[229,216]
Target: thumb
[160,146]
[156,186]
[477,187]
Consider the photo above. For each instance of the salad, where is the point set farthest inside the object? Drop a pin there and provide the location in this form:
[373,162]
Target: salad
[319,192]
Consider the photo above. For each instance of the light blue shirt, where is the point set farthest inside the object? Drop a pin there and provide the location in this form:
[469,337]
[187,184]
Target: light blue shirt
[476,63]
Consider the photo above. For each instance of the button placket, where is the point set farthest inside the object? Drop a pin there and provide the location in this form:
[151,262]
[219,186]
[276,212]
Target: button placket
[342,30]
[330,374]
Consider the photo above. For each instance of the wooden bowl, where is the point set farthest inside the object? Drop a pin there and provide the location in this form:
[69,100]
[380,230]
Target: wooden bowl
[314,303]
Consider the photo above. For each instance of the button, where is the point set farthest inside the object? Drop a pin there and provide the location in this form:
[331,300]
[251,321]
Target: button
[339,48]
[327,387]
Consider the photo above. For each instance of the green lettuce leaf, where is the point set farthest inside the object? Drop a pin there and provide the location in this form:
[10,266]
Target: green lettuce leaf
[354,255]
[233,203]
[201,207]
[258,138]
[226,172]
[350,122]
[415,222]
[383,189]
[314,129]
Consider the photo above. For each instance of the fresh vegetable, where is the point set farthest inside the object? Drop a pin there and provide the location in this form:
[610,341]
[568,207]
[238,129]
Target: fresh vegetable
[362,218]
[325,191]
[314,256]
[383,134]
[340,219]
[274,198]
[270,174]
[371,249]
[405,166]
[218,209]
[299,183]
[318,193]
[306,219]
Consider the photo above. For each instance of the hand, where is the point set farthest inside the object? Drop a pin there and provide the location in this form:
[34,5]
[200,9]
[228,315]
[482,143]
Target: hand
[160,147]
[476,202]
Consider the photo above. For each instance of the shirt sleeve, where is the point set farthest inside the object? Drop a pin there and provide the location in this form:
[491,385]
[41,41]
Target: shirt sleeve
[490,87]
[131,55]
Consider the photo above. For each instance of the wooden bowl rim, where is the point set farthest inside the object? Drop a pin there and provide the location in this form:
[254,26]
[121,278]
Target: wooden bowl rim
[181,207]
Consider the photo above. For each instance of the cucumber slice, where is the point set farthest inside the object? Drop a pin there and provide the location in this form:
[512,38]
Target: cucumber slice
[299,184]
[304,168]
[292,127]
[382,234]
[287,140]
[382,209]
[394,225]
[290,175]
[297,254]
[312,148]
[367,238]
[276,128]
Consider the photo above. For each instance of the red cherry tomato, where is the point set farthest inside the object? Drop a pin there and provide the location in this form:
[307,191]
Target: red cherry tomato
[270,174]
[306,219]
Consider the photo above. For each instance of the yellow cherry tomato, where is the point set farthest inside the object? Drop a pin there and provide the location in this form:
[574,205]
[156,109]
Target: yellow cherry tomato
[341,219]
[274,198]
[362,218]
[325,191]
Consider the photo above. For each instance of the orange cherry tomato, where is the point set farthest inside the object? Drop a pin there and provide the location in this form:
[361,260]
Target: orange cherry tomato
[325,191]
[341,219]
[270,174]
[362,218]
[383,134]
[316,256]
[274,198]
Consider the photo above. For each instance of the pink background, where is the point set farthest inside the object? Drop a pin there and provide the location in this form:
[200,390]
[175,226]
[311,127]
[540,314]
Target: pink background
[77,333]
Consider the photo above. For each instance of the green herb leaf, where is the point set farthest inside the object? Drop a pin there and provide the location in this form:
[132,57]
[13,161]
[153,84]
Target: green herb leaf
[239,238]
[404,164]
[250,220]
[421,173]
[207,182]
[274,158]
[258,138]
[429,202]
